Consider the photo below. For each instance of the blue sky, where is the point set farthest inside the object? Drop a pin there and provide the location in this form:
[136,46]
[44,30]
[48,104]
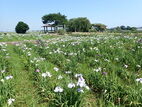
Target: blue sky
[110,12]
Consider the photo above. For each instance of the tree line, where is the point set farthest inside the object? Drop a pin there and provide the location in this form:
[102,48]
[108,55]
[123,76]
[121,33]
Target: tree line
[80,24]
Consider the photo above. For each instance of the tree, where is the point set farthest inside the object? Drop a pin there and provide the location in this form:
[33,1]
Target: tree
[133,29]
[123,27]
[56,18]
[81,24]
[99,27]
[128,28]
[21,27]
[117,28]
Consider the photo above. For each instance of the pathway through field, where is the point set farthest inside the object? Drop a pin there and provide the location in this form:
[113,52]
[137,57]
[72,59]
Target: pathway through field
[25,91]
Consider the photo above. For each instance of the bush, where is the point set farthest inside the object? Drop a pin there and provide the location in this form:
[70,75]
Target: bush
[92,30]
[99,27]
[61,32]
[21,27]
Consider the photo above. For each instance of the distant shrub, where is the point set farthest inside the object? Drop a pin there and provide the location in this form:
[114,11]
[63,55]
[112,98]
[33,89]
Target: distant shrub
[69,33]
[61,32]
[99,27]
[21,27]
[92,30]
[5,33]
[124,29]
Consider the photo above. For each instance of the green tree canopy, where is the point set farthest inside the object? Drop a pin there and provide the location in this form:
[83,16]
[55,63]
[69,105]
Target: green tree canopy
[133,29]
[99,27]
[21,27]
[56,18]
[80,24]
[124,28]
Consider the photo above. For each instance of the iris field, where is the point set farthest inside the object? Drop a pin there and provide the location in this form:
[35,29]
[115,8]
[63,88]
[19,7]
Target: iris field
[99,70]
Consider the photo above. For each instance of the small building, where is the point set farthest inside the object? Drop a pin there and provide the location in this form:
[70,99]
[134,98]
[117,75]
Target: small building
[51,28]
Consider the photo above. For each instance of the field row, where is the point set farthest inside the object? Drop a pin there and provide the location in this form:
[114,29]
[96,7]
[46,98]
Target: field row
[72,71]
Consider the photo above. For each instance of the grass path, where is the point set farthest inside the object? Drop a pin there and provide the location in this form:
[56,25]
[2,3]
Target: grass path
[25,91]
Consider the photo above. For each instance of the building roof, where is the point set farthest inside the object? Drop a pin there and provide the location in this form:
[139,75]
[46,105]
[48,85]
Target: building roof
[51,25]
[48,25]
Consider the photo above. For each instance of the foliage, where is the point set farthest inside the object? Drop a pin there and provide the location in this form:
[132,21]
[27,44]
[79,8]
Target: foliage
[21,27]
[56,18]
[124,29]
[128,28]
[80,24]
[99,27]
[61,31]
[92,30]
[73,71]
[6,79]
